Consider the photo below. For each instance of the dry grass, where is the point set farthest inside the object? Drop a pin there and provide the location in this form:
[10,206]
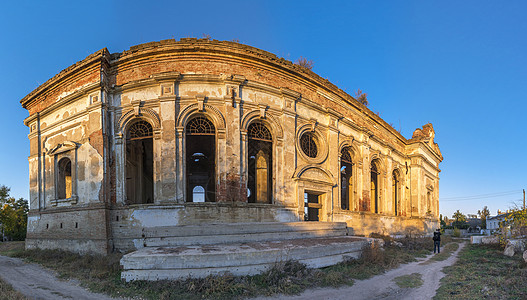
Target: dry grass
[102,273]
[10,248]
[446,252]
[483,272]
[7,292]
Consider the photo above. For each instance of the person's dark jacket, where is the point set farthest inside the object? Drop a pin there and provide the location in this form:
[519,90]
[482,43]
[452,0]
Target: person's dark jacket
[437,236]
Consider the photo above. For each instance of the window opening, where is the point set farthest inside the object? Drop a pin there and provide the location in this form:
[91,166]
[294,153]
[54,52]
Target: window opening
[140,163]
[374,186]
[64,179]
[199,126]
[259,164]
[395,192]
[140,130]
[200,148]
[346,172]
[308,144]
[311,207]
[198,194]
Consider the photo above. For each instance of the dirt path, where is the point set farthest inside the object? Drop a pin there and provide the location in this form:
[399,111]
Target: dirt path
[36,282]
[383,286]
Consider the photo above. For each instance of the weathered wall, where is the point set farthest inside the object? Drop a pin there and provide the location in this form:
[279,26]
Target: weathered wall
[127,223]
[84,113]
[81,230]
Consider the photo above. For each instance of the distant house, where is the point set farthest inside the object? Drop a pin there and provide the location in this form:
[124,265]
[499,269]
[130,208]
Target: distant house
[493,223]
[474,224]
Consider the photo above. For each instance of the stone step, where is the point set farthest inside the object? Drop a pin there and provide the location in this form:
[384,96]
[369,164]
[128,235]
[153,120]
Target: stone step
[213,234]
[240,228]
[157,263]
[238,238]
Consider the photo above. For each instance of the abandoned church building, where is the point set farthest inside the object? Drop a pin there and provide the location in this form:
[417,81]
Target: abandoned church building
[173,140]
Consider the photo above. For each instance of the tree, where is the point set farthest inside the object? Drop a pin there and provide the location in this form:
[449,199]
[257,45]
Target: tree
[4,194]
[304,62]
[459,219]
[514,225]
[13,215]
[361,97]
[483,214]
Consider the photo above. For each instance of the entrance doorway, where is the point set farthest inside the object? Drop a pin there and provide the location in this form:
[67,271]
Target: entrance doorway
[311,206]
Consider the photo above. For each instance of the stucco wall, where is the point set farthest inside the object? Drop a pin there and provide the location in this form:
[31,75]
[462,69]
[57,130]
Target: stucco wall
[84,113]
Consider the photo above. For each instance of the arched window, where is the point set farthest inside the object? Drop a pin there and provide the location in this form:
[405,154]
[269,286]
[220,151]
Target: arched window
[64,179]
[198,194]
[395,191]
[374,185]
[346,173]
[260,174]
[139,163]
[200,140]
[308,144]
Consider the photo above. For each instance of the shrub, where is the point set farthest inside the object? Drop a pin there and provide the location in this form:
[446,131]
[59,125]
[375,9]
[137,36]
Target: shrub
[456,233]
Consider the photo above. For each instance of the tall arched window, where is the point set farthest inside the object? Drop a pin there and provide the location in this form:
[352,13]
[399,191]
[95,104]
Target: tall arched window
[260,164]
[64,179]
[374,186]
[395,191]
[346,173]
[200,140]
[139,163]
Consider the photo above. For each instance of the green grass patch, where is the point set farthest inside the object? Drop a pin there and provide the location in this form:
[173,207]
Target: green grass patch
[409,281]
[482,271]
[11,248]
[446,252]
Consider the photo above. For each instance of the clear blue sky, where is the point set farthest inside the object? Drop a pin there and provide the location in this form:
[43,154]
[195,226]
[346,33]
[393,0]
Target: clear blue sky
[461,65]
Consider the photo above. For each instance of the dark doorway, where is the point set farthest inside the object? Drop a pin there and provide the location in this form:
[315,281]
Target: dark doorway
[260,164]
[139,164]
[311,207]
[200,152]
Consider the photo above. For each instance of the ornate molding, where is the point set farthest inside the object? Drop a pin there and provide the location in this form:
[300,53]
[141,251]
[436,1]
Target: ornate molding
[139,112]
[269,119]
[63,147]
[217,117]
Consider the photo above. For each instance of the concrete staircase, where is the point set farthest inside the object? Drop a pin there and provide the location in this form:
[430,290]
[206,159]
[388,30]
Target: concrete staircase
[239,248]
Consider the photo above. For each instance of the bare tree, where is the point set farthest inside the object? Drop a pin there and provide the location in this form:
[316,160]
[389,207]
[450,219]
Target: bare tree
[361,97]
[207,37]
[304,62]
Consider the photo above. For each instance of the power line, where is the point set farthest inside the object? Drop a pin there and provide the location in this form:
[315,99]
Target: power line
[481,196]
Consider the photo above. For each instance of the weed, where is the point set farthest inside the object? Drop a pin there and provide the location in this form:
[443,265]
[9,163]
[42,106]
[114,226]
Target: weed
[482,271]
[11,248]
[102,273]
[409,281]
[456,233]
[7,292]
[447,250]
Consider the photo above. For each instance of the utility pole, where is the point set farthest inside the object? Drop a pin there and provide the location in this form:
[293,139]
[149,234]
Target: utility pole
[523,199]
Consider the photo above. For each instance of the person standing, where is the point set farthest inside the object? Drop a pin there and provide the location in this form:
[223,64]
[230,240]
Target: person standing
[437,241]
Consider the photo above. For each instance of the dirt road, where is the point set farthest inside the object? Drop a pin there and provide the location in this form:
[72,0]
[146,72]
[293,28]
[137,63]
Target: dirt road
[36,282]
[383,286]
